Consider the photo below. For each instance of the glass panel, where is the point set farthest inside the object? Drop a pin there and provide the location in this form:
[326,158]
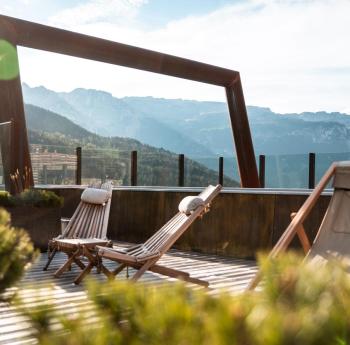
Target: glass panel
[201,171]
[231,172]
[102,164]
[160,169]
[324,160]
[287,171]
[53,164]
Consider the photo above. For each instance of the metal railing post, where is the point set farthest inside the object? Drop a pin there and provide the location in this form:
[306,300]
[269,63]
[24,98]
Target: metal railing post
[262,170]
[78,170]
[312,161]
[133,168]
[181,170]
[221,170]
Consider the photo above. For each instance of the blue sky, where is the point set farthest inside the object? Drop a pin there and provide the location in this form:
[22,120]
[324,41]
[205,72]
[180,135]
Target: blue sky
[157,13]
[293,55]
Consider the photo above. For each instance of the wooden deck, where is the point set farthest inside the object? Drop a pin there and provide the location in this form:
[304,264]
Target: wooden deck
[221,272]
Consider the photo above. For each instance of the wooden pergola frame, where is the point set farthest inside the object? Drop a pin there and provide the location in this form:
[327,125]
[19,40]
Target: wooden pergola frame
[36,36]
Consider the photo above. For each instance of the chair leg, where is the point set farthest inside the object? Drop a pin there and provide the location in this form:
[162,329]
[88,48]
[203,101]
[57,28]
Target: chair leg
[99,265]
[195,281]
[106,272]
[69,254]
[79,263]
[170,272]
[82,275]
[119,269]
[49,259]
[67,264]
[254,282]
[142,270]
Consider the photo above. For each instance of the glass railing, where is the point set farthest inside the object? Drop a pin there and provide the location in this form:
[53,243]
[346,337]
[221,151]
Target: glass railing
[292,171]
[58,165]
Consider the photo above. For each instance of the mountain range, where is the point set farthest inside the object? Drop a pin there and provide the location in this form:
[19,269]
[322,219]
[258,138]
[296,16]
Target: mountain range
[195,128]
[200,130]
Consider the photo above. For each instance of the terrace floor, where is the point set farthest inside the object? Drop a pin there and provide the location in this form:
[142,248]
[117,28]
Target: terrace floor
[221,272]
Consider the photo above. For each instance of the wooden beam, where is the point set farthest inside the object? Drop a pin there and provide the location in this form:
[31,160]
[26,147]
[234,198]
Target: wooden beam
[241,133]
[11,104]
[43,37]
[6,154]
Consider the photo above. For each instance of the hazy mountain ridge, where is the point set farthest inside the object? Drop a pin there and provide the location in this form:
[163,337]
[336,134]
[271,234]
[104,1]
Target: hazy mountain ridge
[193,127]
[103,114]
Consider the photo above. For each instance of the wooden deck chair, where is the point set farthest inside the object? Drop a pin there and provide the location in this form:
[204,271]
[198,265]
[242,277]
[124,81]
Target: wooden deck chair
[88,226]
[333,237]
[144,256]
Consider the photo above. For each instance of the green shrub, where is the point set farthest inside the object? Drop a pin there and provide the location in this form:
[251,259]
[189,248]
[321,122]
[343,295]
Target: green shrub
[6,199]
[16,251]
[39,198]
[298,304]
[31,197]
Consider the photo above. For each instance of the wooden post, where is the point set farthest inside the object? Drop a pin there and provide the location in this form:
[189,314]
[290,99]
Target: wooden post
[6,147]
[37,36]
[241,134]
[78,170]
[133,165]
[181,182]
[262,171]
[312,161]
[221,170]
[11,104]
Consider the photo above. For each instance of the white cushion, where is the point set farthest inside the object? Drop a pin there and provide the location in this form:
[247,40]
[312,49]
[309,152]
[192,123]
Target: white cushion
[190,203]
[95,196]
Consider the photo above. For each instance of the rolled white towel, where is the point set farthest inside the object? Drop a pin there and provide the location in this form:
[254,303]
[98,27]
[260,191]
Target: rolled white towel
[95,196]
[190,203]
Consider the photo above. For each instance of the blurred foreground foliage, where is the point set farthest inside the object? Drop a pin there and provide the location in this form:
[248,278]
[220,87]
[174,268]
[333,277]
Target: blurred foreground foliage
[16,252]
[297,304]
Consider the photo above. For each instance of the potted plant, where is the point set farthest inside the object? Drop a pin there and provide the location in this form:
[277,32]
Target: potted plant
[37,211]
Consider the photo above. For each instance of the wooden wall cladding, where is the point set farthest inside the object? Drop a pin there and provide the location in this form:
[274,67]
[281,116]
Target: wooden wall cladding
[238,225]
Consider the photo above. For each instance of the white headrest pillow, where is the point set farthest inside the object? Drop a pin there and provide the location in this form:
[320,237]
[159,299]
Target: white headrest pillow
[190,203]
[95,196]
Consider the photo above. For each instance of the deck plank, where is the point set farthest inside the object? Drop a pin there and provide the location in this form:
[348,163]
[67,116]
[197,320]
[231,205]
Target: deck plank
[229,274]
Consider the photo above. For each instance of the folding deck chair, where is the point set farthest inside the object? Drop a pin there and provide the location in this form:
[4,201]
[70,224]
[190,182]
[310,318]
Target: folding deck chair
[144,256]
[86,229]
[332,241]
